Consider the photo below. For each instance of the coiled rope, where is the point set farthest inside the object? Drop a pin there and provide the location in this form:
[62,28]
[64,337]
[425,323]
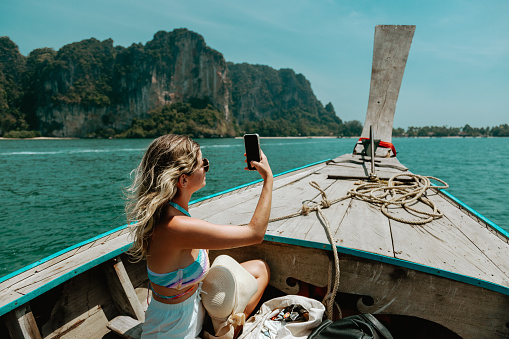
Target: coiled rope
[382,193]
[401,194]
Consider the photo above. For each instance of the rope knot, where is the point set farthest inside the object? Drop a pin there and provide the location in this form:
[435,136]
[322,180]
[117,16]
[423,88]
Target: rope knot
[305,209]
[326,203]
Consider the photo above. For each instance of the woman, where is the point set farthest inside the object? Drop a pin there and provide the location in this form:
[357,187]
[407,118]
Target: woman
[174,243]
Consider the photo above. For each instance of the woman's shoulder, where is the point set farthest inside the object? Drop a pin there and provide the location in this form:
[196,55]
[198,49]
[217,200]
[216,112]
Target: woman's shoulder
[175,229]
[173,223]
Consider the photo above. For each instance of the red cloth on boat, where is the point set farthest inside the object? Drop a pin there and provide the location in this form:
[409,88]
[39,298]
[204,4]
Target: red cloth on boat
[384,144]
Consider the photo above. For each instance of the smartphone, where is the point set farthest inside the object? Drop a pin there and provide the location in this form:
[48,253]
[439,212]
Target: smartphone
[252,143]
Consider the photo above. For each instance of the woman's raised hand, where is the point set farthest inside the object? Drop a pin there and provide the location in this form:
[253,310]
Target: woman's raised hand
[262,166]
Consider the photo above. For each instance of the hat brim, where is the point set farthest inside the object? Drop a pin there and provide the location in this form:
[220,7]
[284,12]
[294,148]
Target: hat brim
[227,290]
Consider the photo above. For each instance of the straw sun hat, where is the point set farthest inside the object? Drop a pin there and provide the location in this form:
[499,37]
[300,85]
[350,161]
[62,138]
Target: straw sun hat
[227,289]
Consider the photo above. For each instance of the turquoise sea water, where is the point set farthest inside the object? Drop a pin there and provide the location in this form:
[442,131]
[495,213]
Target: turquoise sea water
[56,193]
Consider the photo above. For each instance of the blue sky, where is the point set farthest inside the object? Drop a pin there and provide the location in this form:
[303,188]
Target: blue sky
[457,72]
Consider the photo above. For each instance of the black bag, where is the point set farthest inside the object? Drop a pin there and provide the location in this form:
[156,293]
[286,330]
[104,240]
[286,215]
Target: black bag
[362,326]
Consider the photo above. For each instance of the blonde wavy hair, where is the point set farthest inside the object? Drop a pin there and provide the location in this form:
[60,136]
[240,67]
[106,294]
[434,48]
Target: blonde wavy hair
[154,184]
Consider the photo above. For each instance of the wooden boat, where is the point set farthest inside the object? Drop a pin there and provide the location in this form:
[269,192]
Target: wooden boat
[446,278]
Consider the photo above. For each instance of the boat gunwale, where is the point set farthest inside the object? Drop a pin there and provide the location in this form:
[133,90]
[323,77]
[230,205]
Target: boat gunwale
[479,216]
[62,279]
[272,238]
[59,253]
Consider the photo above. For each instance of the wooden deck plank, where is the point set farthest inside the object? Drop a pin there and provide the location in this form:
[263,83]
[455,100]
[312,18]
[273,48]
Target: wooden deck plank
[21,323]
[347,169]
[356,159]
[239,208]
[310,228]
[233,214]
[494,248]
[63,330]
[213,210]
[8,295]
[126,327]
[354,224]
[291,177]
[51,273]
[365,228]
[35,270]
[239,196]
[87,246]
[290,200]
[442,245]
[54,261]
[122,290]
[93,326]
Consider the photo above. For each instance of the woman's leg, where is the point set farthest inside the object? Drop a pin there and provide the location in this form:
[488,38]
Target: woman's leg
[260,270]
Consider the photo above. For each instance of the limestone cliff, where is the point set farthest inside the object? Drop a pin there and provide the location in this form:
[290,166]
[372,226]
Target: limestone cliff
[278,103]
[260,91]
[12,67]
[92,85]
[93,88]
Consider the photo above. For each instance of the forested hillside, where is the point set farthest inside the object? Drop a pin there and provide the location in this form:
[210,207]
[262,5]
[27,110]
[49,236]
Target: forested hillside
[173,83]
[92,88]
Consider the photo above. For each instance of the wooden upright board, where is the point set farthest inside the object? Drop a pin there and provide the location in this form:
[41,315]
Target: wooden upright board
[390,53]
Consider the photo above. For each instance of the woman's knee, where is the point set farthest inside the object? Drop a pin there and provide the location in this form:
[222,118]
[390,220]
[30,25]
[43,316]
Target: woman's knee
[258,268]
[263,269]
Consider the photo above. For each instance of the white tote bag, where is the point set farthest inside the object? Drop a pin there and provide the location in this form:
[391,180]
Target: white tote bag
[300,329]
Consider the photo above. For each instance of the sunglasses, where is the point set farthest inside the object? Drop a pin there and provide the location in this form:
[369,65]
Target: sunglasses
[205,166]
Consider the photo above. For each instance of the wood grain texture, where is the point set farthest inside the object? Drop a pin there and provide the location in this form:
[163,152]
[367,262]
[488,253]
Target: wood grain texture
[7,296]
[356,165]
[21,323]
[122,290]
[70,305]
[285,261]
[137,272]
[238,208]
[313,228]
[94,326]
[442,245]
[390,53]
[74,323]
[62,267]
[126,327]
[480,235]
[365,228]
[467,310]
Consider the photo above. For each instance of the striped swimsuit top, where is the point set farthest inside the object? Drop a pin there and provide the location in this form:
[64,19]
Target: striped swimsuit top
[184,277]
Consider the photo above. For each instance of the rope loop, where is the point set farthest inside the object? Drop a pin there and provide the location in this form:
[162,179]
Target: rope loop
[404,194]
[325,203]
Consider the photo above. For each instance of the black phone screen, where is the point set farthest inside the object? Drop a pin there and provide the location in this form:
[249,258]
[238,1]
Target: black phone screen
[252,143]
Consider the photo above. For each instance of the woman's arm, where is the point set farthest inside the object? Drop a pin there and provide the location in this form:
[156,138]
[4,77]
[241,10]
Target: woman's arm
[185,232]
[261,215]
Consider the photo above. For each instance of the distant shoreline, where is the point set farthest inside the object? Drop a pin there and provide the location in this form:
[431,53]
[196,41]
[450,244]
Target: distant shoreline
[310,137]
[39,138]
[296,137]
